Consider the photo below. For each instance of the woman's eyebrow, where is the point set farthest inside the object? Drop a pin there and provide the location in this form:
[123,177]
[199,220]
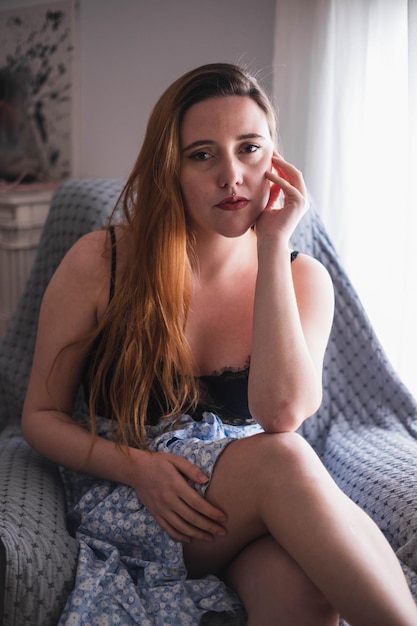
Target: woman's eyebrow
[210,142]
[198,144]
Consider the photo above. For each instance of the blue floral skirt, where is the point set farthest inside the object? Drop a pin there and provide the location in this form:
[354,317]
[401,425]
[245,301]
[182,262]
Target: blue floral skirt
[130,571]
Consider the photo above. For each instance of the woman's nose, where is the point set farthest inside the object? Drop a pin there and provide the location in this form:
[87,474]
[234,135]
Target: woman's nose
[230,173]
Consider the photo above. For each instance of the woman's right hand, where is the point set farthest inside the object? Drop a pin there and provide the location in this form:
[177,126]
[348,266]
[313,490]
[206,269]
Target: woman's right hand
[277,220]
[160,480]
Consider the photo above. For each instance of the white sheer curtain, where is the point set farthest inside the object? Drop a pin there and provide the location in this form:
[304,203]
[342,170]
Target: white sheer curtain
[345,82]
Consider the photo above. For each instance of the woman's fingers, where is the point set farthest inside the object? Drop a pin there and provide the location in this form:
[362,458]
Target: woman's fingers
[289,179]
[281,215]
[290,191]
[194,474]
[197,515]
[287,176]
[185,522]
[188,469]
[287,170]
[177,506]
[192,523]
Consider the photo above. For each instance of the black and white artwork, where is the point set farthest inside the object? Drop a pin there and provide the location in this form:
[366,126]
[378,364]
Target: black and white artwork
[36,54]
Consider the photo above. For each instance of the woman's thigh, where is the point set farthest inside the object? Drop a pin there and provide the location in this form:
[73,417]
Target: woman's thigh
[229,488]
[240,486]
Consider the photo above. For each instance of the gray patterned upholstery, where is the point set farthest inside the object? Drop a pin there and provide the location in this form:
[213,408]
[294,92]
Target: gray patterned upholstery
[37,555]
[365,430]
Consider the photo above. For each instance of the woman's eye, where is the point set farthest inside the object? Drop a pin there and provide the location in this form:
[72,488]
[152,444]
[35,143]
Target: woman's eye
[200,156]
[251,147]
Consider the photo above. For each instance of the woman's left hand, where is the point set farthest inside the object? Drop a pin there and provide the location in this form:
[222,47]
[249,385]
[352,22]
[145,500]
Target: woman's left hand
[281,218]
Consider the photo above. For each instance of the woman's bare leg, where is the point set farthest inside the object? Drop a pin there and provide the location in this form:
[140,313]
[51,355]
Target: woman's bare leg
[275,483]
[275,590]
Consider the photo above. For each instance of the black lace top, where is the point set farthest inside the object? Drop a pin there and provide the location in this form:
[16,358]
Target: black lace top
[225,394]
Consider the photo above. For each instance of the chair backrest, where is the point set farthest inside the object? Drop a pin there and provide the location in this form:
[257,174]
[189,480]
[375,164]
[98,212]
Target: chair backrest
[359,382]
[77,207]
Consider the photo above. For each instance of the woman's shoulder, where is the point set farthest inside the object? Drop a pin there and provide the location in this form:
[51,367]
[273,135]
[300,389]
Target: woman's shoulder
[84,270]
[303,262]
[89,246]
[309,274]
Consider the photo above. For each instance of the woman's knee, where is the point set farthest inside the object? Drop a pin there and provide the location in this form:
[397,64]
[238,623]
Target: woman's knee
[288,452]
[257,465]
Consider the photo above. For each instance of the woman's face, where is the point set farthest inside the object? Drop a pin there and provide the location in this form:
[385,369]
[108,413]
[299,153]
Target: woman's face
[226,148]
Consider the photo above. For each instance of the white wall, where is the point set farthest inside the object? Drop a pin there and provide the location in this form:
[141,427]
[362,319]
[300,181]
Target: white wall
[13,4]
[130,50]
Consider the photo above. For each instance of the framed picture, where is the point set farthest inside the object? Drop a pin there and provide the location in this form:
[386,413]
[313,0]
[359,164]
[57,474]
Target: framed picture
[36,92]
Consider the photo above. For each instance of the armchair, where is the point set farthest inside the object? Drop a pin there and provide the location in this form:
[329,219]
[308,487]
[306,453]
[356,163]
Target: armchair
[365,430]
[37,555]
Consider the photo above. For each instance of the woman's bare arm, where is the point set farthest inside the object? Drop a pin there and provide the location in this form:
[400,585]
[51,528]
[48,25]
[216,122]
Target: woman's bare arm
[73,302]
[293,314]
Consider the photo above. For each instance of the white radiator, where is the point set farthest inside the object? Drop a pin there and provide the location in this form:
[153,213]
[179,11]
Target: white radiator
[22,215]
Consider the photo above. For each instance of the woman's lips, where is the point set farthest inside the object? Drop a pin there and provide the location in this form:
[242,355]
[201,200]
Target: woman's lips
[233,203]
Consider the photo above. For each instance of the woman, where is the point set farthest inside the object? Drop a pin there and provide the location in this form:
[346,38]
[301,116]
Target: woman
[202,363]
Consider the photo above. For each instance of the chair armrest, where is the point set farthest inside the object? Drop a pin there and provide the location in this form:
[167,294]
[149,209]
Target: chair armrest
[39,556]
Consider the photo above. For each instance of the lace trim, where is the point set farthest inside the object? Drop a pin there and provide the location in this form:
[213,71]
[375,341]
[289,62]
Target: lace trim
[229,370]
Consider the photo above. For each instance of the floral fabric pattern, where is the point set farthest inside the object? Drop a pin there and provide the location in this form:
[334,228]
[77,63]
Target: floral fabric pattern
[129,570]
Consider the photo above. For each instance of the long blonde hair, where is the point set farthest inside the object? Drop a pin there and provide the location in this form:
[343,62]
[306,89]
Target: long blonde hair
[143,343]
